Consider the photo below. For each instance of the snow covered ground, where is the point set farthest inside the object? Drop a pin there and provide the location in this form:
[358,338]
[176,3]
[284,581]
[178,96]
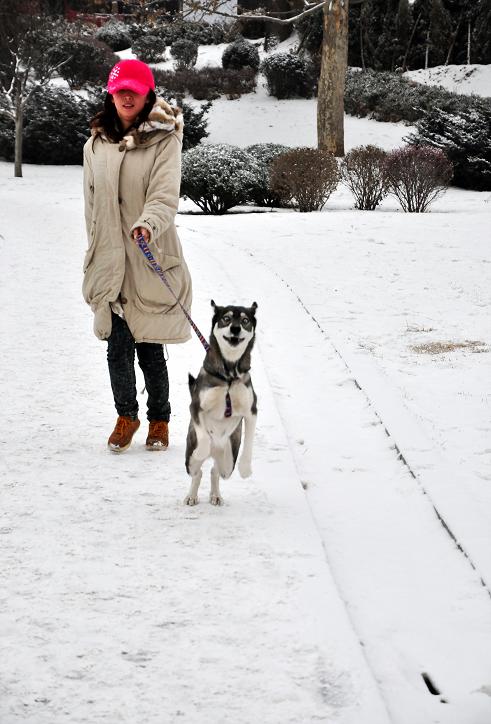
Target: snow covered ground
[464,79]
[349,580]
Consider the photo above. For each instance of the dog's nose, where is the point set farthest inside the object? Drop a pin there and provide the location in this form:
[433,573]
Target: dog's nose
[235,329]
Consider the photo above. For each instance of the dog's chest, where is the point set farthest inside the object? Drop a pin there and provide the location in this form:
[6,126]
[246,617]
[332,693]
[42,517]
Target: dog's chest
[213,400]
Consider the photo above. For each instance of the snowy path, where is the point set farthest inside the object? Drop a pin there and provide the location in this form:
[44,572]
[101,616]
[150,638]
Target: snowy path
[121,604]
[118,602]
[404,581]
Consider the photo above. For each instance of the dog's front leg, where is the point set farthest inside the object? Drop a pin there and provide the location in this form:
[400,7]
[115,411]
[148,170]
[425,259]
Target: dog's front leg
[192,497]
[202,450]
[245,462]
[215,497]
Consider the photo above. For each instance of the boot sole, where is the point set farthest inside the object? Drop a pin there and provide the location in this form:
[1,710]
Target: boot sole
[156,447]
[117,449]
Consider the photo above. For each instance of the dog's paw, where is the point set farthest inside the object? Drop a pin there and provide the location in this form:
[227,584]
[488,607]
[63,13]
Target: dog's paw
[245,468]
[216,499]
[190,500]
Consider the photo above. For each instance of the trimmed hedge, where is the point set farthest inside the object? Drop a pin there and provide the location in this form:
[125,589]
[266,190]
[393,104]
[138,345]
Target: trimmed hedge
[217,177]
[289,75]
[207,83]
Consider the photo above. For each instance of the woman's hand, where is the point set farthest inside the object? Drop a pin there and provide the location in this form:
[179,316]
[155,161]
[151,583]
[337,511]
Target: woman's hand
[140,230]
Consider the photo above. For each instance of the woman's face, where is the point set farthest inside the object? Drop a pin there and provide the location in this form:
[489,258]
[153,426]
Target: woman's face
[128,105]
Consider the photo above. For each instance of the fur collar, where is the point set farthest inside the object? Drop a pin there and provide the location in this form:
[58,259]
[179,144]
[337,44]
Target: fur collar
[162,117]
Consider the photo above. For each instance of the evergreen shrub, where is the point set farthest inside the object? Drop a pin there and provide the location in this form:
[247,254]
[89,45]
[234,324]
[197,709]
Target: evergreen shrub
[289,75]
[363,172]
[200,33]
[217,177]
[304,177]
[207,83]
[465,137]
[85,60]
[7,138]
[149,48]
[195,124]
[264,154]
[240,54]
[115,35]
[185,53]
[55,127]
[387,96]
[417,175]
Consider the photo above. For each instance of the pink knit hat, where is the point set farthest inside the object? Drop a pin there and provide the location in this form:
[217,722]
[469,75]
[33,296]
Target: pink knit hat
[132,75]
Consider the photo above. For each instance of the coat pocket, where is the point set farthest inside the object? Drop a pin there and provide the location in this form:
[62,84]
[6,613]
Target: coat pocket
[152,294]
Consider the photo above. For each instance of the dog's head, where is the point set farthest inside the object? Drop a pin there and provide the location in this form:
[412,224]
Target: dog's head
[234,329]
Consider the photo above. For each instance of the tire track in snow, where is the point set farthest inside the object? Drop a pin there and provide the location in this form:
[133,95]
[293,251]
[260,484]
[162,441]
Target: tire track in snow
[403,456]
[407,644]
[273,397]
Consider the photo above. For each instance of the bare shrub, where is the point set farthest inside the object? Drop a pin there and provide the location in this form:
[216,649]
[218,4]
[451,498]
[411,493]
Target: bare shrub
[304,177]
[417,175]
[363,172]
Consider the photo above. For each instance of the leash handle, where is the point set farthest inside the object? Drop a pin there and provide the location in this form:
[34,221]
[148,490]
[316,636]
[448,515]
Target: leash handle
[140,239]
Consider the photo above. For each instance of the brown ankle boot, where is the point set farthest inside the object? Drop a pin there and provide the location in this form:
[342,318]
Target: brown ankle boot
[121,436]
[158,435]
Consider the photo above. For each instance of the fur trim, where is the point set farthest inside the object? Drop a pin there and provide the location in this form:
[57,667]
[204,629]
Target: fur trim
[162,117]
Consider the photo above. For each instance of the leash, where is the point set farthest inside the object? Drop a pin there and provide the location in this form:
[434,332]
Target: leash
[160,272]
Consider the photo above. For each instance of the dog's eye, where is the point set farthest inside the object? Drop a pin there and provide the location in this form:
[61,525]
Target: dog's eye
[227,319]
[245,321]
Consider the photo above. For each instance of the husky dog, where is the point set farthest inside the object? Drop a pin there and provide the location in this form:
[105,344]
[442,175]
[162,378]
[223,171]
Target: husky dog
[221,397]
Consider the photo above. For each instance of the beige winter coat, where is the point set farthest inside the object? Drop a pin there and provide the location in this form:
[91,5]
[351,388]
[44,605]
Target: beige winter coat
[136,183]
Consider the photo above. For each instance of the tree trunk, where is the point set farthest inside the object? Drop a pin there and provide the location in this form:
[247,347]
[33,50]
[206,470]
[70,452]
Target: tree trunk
[334,62]
[468,42]
[18,129]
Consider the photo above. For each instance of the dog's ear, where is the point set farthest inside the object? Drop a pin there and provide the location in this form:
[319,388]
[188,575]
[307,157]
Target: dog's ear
[191,381]
[253,307]
[213,304]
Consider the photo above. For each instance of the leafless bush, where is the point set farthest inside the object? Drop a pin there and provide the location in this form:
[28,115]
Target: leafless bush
[363,172]
[305,177]
[417,175]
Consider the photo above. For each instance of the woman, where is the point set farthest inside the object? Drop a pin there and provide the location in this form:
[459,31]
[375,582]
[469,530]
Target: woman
[132,173]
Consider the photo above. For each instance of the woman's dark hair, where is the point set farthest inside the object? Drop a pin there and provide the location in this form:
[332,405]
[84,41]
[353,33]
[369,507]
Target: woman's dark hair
[108,121]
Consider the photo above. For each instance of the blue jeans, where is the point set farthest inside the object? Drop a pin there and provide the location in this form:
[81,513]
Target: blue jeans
[121,361]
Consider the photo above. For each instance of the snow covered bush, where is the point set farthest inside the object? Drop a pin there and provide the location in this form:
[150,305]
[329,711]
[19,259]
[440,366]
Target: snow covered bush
[240,54]
[363,172]
[149,48]
[195,124]
[7,136]
[56,127]
[115,35]
[217,177]
[417,175]
[207,83]
[185,53]
[201,33]
[264,154]
[89,60]
[304,177]
[289,75]
[387,96]
[465,137]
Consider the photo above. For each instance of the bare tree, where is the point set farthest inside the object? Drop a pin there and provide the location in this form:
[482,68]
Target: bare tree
[24,67]
[334,56]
